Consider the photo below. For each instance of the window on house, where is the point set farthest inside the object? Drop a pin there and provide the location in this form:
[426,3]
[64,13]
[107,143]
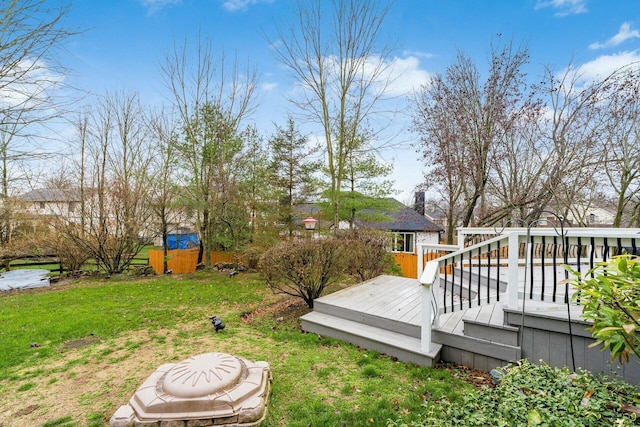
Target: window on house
[72,207]
[41,204]
[403,242]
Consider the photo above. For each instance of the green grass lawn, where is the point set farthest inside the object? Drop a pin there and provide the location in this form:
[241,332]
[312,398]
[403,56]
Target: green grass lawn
[72,354]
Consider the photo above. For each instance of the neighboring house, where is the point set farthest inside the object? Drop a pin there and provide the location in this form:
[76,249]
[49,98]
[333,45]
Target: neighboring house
[408,227]
[581,216]
[591,216]
[53,202]
[438,218]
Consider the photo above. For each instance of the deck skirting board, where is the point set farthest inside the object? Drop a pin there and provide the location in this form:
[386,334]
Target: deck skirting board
[470,359]
[544,321]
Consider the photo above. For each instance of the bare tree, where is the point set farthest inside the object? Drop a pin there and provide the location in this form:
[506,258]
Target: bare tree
[259,189]
[211,100]
[163,192]
[332,49]
[114,223]
[462,121]
[569,152]
[31,81]
[621,136]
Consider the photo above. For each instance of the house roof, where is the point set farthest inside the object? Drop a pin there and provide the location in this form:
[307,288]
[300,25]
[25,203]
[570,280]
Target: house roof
[403,218]
[51,195]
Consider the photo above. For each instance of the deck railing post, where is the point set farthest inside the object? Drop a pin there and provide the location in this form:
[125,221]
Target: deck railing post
[420,260]
[512,270]
[425,335]
[429,278]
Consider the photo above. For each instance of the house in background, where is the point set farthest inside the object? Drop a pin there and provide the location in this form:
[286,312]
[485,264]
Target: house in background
[53,202]
[591,216]
[407,226]
[438,218]
[408,229]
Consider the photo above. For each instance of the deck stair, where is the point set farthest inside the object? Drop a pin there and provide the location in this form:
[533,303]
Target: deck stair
[480,331]
[384,314]
[388,322]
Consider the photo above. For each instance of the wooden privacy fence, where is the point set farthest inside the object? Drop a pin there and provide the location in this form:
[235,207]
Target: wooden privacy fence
[408,262]
[184,261]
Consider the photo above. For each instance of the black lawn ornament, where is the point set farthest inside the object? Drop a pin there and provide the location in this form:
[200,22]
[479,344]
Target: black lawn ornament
[217,323]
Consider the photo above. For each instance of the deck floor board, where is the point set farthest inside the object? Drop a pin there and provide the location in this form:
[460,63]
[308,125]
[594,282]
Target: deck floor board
[400,299]
[385,296]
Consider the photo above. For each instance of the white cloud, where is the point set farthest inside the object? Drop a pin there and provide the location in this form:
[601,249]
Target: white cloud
[28,85]
[269,86]
[604,65]
[405,76]
[564,7]
[418,54]
[240,5]
[153,6]
[625,33]
[276,45]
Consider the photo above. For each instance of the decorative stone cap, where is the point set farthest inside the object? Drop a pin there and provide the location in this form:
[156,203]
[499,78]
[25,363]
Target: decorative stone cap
[204,390]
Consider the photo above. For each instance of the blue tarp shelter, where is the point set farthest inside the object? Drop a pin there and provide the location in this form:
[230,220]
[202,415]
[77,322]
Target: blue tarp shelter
[182,241]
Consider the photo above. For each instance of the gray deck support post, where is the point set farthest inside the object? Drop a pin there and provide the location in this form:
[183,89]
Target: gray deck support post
[512,286]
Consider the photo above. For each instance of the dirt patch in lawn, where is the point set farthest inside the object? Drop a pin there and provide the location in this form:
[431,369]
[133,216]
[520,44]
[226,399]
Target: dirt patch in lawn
[81,342]
[286,310]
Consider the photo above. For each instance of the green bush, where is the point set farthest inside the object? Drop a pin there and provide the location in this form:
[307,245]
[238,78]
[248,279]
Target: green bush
[530,395]
[368,253]
[303,268]
[610,297]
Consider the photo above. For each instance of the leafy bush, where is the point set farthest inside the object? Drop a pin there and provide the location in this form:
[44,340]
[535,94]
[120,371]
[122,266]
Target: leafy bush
[529,395]
[368,253]
[303,268]
[610,297]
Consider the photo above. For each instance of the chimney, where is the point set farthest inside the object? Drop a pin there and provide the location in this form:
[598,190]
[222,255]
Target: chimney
[418,205]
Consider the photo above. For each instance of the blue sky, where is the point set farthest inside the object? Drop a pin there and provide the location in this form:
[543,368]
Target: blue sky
[125,40]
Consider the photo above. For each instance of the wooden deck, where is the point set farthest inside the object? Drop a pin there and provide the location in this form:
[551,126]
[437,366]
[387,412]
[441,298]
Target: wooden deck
[384,314]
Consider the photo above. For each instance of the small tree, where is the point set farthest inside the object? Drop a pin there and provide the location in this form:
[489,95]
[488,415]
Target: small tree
[292,168]
[303,268]
[368,253]
[610,297]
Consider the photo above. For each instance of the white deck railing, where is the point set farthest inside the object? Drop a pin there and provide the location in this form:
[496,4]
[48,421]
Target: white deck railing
[510,265]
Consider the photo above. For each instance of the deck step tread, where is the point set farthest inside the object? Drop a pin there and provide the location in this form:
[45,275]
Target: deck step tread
[388,322]
[314,322]
[458,340]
